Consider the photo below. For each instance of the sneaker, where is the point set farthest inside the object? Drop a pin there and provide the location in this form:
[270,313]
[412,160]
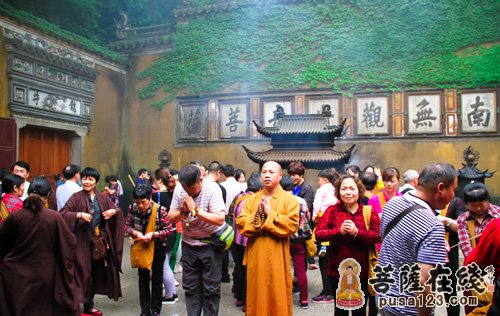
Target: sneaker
[177,268]
[304,305]
[170,300]
[313,266]
[323,299]
[239,303]
[176,283]
[322,251]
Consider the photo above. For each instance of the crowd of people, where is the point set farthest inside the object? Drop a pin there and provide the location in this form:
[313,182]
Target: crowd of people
[273,226]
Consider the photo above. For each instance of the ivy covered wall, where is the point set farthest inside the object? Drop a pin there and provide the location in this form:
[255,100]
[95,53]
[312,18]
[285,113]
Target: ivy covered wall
[342,45]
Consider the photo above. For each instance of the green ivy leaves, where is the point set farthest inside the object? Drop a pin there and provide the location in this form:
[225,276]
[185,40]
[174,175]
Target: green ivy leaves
[346,46]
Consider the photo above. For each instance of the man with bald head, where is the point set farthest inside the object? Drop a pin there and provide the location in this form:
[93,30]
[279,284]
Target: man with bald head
[268,219]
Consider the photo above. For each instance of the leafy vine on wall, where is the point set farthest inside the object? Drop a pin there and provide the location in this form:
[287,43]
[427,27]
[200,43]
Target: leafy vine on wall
[341,45]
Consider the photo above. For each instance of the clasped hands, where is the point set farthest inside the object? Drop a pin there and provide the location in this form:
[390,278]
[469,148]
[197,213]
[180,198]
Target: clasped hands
[264,206]
[188,206]
[348,227]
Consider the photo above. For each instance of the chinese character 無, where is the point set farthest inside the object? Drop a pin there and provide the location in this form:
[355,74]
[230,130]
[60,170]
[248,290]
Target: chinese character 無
[424,114]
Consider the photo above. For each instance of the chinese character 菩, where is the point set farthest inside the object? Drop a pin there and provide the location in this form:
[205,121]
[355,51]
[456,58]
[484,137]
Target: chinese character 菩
[233,119]
[383,279]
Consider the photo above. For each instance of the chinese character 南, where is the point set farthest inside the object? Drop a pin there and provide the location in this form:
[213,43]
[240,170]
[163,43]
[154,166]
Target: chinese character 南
[439,279]
[276,114]
[470,277]
[233,119]
[478,116]
[193,122]
[409,279]
[371,115]
[424,114]
[383,279]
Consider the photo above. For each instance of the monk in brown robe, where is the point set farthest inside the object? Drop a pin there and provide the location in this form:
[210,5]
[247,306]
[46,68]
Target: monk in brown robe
[83,212]
[268,218]
[37,252]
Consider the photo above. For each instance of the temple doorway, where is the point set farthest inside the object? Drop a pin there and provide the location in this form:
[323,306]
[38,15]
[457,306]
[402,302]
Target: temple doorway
[46,150]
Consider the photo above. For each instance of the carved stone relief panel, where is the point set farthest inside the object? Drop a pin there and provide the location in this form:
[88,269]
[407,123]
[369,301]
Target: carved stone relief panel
[274,107]
[56,75]
[372,115]
[424,114]
[54,102]
[193,121]
[233,119]
[22,65]
[317,106]
[478,112]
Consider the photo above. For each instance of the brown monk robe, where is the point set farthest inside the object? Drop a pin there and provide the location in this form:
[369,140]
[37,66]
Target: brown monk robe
[268,219]
[105,279]
[36,265]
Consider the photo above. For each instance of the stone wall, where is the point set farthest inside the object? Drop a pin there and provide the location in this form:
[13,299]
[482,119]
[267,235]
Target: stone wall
[158,130]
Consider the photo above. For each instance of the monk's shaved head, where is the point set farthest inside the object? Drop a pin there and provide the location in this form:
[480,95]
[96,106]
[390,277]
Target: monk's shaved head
[272,164]
[270,176]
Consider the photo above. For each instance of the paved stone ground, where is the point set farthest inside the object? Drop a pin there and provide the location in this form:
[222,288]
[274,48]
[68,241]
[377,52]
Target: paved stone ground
[128,305]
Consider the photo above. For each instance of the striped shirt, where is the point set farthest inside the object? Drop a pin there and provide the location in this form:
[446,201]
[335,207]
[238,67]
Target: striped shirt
[209,200]
[417,238]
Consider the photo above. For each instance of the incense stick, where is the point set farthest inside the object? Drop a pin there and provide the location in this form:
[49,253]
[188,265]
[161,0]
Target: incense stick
[462,242]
